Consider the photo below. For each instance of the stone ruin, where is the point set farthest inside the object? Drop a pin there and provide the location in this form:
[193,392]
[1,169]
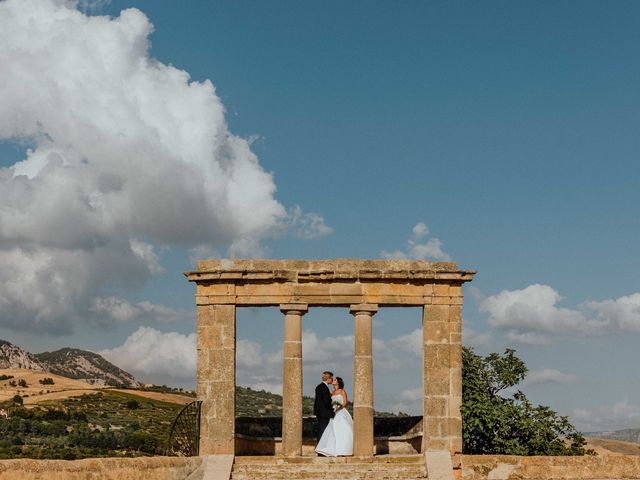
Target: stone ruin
[362,287]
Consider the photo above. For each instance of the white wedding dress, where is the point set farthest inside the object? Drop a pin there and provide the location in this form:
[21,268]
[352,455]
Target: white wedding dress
[337,438]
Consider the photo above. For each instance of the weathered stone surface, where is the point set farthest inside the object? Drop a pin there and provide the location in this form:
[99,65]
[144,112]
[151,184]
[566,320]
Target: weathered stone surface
[439,466]
[292,379]
[327,282]
[214,467]
[507,467]
[341,468]
[145,468]
[363,380]
[216,359]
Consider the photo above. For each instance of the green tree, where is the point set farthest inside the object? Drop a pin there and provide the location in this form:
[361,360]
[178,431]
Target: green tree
[17,399]
[499,424]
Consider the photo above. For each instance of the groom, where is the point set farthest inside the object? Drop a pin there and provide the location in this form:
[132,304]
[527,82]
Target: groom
[322,408]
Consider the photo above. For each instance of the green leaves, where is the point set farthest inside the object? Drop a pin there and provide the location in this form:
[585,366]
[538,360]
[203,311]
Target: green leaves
[497,424]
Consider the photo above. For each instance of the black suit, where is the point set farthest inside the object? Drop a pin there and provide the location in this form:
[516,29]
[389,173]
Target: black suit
[322,408]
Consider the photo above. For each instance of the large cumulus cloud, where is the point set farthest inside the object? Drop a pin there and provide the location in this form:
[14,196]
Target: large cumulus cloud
[126,154]
[532,315]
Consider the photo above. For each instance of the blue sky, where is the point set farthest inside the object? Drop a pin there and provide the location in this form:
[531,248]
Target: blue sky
[510,129]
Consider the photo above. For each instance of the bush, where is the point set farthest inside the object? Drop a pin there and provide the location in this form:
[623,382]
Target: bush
[23,383]
[133,404]
[5,377]
[493,424]
[17,399]
[47,381]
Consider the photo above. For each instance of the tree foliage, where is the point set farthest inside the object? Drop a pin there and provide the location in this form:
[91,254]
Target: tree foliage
[494,422]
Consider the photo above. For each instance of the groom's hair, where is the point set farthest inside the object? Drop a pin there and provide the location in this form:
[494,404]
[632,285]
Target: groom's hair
[327,373]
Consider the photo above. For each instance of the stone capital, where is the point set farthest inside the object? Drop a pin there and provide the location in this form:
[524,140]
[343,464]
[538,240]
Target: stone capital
[366,308]
[300,308]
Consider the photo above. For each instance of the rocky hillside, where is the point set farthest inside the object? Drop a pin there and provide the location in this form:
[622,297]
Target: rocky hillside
[12,356]
[68,362]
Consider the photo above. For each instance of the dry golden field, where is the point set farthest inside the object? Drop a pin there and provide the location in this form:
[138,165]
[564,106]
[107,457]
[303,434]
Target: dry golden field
[35,392]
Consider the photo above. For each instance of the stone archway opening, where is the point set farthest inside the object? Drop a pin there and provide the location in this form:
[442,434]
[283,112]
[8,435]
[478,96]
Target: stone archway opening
[259,353]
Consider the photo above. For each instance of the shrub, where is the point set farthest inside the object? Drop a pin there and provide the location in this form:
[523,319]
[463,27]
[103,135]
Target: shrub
[497,424]
[47,381]
[17,399]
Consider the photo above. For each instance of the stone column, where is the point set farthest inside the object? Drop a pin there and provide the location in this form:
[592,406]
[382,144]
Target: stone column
[363,380]
[442,377]
[216,378]
[292,379]
[455,372]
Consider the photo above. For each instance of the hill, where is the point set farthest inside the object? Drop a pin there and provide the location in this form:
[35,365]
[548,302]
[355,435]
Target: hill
[604,446]
[68,362]
[627,435]
[12,356]
[81,364]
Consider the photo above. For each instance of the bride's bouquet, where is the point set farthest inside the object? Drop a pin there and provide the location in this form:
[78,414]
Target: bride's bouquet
[336,405]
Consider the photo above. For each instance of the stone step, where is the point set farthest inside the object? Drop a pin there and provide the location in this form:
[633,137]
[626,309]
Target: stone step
[383,467]
[369,476]
[336,474]
[279,460]
[321,468]
[332,476]
[328,471]
[388,475]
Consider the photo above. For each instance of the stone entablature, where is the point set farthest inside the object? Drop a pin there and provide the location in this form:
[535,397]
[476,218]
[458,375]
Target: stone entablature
[359,286]
[339,282]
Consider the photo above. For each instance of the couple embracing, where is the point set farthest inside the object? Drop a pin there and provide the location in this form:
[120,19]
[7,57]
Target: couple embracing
[335,426]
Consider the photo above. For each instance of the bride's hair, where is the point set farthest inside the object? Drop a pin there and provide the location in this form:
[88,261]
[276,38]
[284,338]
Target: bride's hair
[340,382]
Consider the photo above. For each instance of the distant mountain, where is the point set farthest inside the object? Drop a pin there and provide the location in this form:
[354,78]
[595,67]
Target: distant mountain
[626,435]
[68,362]
[12,356]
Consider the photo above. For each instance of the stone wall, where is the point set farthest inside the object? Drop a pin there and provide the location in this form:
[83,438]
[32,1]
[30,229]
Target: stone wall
[508,467]
[263,435]
[141,468]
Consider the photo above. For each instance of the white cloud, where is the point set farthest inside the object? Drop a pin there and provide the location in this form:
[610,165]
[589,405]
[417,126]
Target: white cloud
[531,315]
[476,293]
[622,313]
[409,401]
[257,369]
[548,375]
[472,338]
[308,225]
[411,342]
[617,416]
[154,356]
[119,309]
[418,248]
[127,154]
[420,230]
[202,252]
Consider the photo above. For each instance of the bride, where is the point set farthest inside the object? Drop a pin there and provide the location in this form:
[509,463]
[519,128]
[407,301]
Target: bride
[337,438]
